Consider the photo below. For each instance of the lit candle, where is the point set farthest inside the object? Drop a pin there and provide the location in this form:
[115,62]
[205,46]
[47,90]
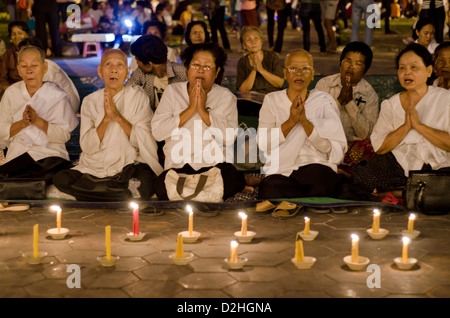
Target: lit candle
[179,251]
[57,209]
[299,255]
[355,240]
[135,208]
[306,230]
[405,249]
[411,219]
[376,221]
[108,242]
[191,219]
[234,254]
[35,240]
[244,223]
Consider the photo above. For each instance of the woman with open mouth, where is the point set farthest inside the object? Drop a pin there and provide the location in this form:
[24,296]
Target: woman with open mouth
[412,130]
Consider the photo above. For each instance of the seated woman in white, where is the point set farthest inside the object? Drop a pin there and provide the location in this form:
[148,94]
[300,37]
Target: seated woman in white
[56,75]
[412,131]
[36,121]
[301,135]
[424,32]
[115,133]
[187,110]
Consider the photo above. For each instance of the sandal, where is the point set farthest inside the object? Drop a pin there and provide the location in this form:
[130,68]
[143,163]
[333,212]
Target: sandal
[339,210]
[286,210]
[318,210]
[262,207]
[4,206]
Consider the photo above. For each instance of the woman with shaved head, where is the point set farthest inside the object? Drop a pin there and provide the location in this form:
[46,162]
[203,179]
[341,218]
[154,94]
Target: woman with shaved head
[115,135]
[36,121]
[307,140]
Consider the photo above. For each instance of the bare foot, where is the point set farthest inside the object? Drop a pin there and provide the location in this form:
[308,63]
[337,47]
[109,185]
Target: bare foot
[252,181]
[248,189]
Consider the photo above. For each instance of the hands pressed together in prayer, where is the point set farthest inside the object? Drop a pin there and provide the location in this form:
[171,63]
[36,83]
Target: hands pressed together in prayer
[346,95]
[256,62]
[297,110]
[197,103]
[111,111]
[297,114]
[197,96]
[112,114]
[411,117]
[29,115]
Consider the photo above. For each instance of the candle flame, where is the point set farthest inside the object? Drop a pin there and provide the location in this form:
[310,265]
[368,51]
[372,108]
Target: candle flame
[234,244]
[55,208]
[406,240]
[412,216]
[189,208]
[355,237]
[306,218]
[134,205]
[242,214]
[376,211]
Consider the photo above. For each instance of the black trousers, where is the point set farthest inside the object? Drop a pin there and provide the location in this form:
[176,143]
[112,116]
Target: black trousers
[387,15]
[312,11]
[313,180]
[47,13]
[281,25]
[217,21]
[25,167]
[233,180]
[64,179]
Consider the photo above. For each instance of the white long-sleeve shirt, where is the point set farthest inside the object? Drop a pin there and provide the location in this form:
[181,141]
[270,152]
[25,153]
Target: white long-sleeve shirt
[414,150]
[116,150]
[52,104]
[57,75]
[285,154]
[191,143]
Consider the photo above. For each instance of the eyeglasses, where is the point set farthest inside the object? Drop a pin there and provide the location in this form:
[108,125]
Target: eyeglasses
[304,69]
[205,68]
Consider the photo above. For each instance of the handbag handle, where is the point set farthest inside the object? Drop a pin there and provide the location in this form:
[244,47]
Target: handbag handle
[418,195]
[200,185]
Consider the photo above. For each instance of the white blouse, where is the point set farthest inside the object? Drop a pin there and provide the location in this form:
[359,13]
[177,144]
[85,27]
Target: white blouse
[414,150]
[109,156]
[326,145]
[195,143]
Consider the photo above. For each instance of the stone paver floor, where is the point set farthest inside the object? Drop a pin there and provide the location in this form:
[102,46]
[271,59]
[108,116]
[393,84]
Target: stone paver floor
[145,270]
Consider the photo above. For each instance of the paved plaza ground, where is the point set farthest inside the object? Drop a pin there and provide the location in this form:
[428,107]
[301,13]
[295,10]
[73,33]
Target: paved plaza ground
[144,269]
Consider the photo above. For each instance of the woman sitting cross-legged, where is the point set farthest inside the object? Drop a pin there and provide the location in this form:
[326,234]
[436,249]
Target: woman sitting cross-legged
[36,121]
[193,117]
[413,129]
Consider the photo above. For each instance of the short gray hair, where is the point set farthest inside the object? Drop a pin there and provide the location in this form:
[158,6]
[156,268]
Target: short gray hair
[32,48]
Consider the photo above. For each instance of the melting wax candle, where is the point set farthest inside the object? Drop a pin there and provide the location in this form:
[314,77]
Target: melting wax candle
[405,249]
[135,208]
[355,240]
[376,221]
[244,223]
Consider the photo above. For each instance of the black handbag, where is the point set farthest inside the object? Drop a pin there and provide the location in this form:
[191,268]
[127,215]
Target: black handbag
[428,191]
[22,189]
[93,189]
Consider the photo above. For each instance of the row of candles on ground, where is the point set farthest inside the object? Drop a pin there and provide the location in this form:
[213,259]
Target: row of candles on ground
[354,261]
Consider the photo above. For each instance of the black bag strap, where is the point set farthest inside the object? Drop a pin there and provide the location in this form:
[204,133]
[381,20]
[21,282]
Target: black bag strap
[200,185]
[418,195]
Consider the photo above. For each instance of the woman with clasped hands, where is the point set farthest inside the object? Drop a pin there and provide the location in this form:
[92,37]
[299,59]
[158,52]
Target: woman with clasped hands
[36,121]
[412,131]
[193,117]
